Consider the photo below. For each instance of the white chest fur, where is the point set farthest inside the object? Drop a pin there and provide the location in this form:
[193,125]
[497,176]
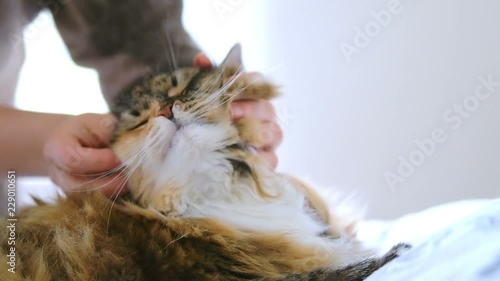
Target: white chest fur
[195,163]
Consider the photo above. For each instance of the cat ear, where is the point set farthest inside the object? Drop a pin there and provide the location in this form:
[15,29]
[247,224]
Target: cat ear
[233,59]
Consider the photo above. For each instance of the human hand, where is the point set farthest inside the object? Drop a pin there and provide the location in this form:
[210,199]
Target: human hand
[270,132]
[79,158]
[263,110]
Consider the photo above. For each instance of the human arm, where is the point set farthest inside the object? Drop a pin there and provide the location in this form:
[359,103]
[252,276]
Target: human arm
[125,41]
[23,133]
[68,148]
[23,136]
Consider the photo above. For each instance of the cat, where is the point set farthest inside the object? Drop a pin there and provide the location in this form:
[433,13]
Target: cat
[202,205]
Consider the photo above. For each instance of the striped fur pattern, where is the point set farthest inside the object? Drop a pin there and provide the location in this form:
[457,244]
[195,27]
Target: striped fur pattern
[201,206]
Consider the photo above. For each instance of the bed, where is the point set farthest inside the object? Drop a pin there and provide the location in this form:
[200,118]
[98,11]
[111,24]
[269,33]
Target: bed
[452,242]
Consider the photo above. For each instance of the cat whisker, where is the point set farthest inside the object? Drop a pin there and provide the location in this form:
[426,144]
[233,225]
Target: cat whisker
[150,143]
[215,97]
[222,90]
[175,240]
[200,99]
[114,197]
[169,50]
[97,187]
[115,194]
[105,173]
[120,169]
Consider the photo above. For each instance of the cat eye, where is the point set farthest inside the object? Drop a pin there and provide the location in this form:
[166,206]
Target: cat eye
[174,81]
[140,125]
[192,84]
[135,113]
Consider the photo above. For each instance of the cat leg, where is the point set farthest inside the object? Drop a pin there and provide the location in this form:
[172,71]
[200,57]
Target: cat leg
[355,272]
[253,87]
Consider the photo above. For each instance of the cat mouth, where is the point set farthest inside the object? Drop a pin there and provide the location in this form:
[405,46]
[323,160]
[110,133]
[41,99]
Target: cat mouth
[166,112]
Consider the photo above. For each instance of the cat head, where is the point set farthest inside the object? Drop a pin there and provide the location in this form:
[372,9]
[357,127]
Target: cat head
[185,96]
[176,128]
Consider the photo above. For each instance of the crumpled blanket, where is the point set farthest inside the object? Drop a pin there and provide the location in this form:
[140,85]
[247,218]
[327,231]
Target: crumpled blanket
[462,249]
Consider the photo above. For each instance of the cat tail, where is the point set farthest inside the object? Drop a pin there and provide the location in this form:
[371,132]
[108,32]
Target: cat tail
[354,272]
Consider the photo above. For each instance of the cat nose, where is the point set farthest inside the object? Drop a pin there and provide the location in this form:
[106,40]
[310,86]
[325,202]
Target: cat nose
[166,112]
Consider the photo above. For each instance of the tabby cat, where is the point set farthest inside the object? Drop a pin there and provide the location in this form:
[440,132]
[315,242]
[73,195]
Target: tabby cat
[202,206]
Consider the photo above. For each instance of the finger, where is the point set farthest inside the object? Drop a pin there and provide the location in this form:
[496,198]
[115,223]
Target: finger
[202,61]
[269,136]
[71,157]
[110,185]
[96,129]
[114,185]
[90,160]
[258,109]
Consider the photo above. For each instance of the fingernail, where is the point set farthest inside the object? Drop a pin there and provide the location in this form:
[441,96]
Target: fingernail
[202,61]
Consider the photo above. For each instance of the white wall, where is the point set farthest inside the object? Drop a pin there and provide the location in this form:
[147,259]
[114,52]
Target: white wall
[351,121]
[346,124]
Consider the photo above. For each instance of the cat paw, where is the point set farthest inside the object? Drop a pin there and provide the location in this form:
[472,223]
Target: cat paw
[167,202]
[395,252]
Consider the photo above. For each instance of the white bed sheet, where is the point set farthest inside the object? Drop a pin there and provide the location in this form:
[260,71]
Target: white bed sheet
[452,242]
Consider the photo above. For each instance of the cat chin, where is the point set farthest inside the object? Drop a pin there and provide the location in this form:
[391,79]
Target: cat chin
[181,117]
[175,154]
[163,129]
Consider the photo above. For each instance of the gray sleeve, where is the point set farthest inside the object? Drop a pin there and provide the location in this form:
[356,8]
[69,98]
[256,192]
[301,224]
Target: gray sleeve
[124,40]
